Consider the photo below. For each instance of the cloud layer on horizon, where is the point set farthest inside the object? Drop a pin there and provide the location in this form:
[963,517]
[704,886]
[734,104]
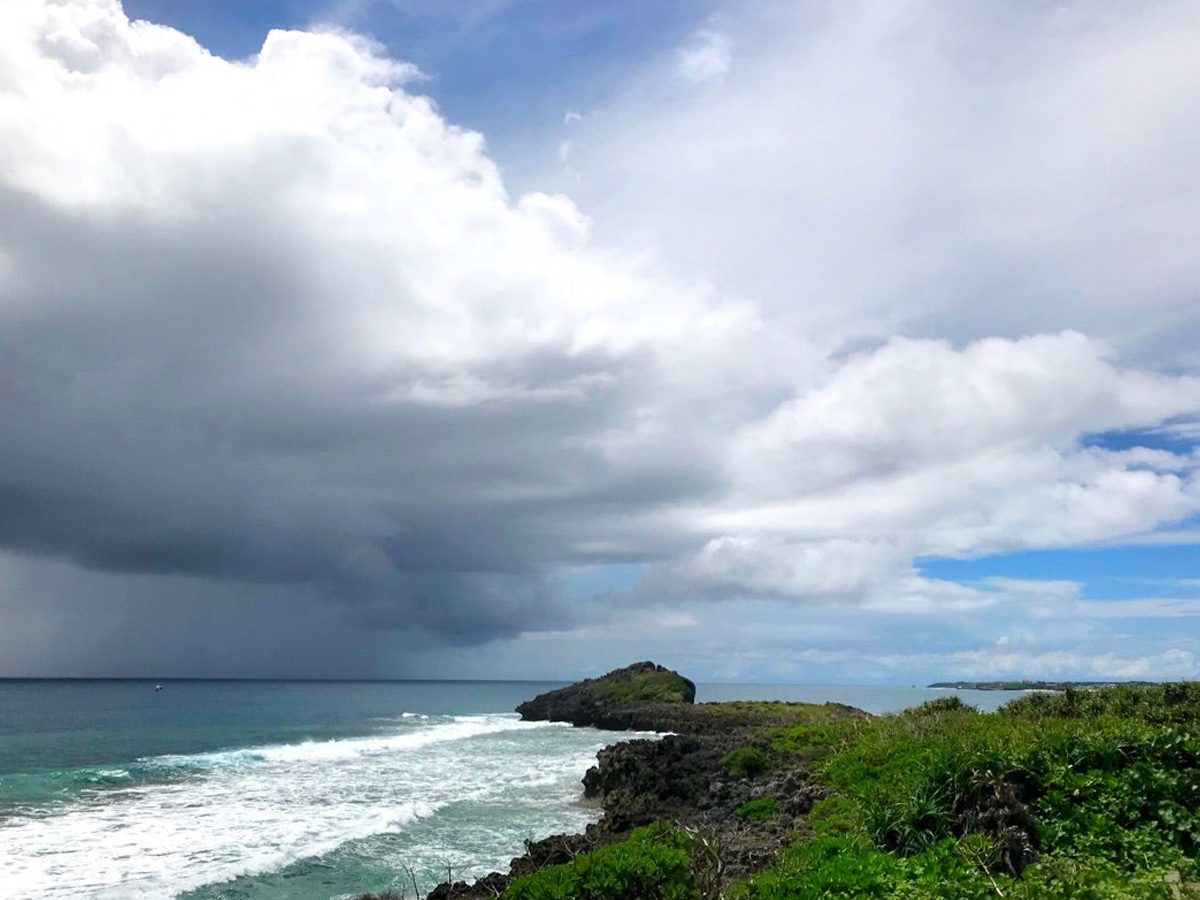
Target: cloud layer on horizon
[277,340]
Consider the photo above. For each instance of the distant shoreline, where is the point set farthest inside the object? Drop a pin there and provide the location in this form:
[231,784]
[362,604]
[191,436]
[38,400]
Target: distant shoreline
[1028,685]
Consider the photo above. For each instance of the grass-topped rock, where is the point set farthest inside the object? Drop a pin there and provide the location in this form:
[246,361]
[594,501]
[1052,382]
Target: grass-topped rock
[617,700]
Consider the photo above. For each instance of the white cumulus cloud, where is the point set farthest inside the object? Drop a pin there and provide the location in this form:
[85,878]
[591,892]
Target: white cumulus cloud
[706,57]
[277,327]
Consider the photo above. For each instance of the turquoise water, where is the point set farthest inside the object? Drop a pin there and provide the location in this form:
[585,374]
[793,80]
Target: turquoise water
[214,790]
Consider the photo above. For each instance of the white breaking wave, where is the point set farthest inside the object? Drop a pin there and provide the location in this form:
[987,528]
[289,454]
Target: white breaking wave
[255,810]
[461,727]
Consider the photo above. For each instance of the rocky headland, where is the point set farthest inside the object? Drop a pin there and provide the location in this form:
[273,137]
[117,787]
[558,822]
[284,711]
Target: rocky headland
[710,765]
[1056,796]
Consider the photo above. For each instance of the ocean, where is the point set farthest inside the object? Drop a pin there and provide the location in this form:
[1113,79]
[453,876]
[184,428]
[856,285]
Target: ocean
[262,790]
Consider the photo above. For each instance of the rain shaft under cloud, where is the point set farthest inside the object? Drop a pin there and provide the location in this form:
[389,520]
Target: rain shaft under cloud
[278,345]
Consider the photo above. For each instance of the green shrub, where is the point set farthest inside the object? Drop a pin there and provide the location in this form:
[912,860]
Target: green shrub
[962,869]
[654,863]
[1088,794]
[837,817]
[746,762]
[812,741]
[940,706]
[1154,704]
[758,810]
[822,868]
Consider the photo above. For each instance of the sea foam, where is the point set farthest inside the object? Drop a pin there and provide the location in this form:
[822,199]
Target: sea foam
[157,827]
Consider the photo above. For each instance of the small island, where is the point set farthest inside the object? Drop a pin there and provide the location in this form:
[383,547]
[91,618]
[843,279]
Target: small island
[1029,685]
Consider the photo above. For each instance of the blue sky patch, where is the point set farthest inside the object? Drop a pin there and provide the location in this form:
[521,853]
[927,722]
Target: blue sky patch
[1108,573]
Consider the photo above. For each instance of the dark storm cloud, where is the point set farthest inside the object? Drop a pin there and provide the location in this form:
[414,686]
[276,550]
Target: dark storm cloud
[182,413]
[278,346]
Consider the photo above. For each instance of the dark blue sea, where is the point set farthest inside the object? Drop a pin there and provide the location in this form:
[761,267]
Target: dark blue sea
[259,790]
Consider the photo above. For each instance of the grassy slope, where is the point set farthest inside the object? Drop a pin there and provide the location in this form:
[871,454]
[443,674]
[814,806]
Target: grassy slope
[642,687]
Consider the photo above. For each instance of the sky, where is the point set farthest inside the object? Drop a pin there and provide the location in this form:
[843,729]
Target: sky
[820,342]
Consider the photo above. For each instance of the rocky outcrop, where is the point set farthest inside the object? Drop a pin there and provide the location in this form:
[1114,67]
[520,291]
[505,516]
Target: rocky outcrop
[621,700]
[644,781]
[684,777]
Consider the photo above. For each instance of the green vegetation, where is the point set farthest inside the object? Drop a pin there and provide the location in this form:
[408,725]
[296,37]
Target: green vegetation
[1086,795]
[759,721]
[644,686]
[757,810]
[746,762]
[778,713]
[654,862]
[1157,704]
